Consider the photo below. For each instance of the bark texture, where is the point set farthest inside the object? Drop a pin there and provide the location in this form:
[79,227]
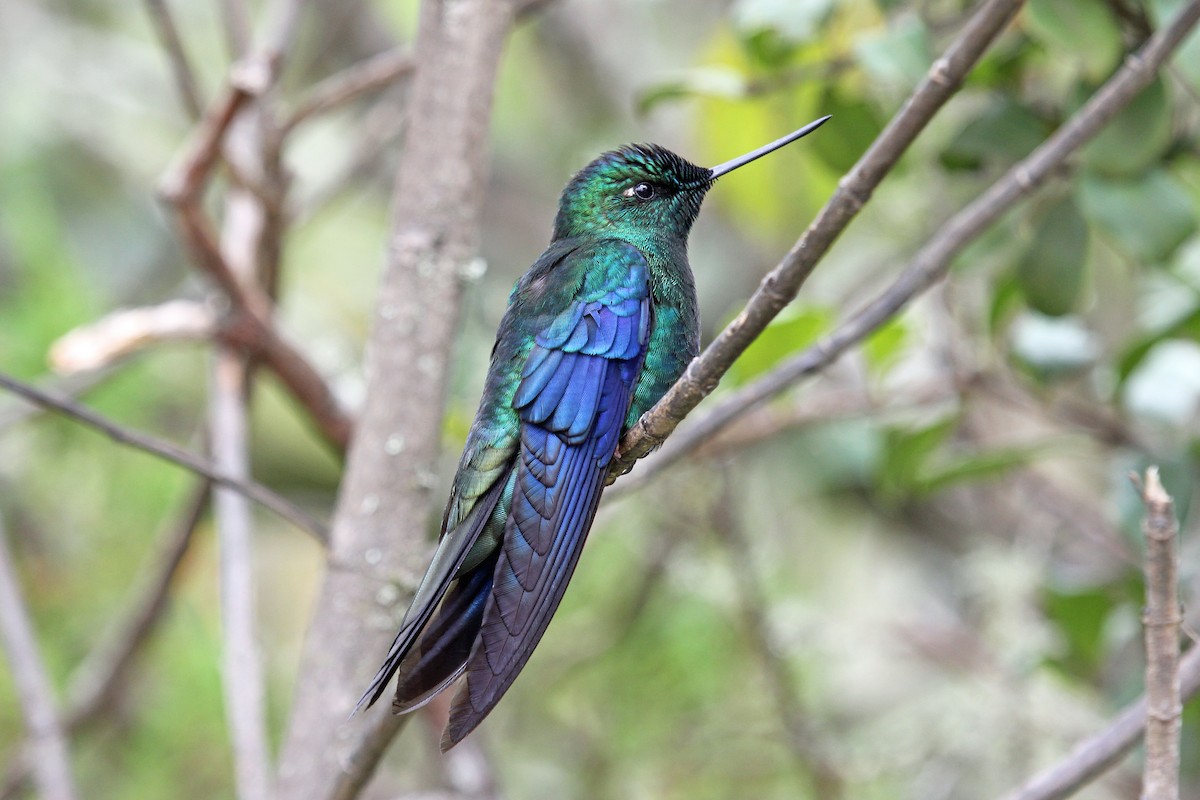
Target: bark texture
[379,529]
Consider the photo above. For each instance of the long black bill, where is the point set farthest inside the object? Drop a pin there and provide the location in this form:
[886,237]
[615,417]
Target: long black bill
[740,161]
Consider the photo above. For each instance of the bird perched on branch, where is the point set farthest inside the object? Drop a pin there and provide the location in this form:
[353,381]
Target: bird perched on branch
[596,331]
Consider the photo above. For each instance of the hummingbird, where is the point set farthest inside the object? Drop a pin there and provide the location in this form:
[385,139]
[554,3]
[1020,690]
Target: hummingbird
[597,330]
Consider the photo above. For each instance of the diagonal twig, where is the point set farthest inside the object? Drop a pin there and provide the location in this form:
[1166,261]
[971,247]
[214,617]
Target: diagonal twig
[97,681]
[781,285]
[18,411]
[1103,749]
[169,452]
[51,763]
[933,260]
[181,67]
[807,750]
[374,73]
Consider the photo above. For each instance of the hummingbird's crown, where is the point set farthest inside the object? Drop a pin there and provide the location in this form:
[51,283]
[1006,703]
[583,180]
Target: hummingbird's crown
[650,162]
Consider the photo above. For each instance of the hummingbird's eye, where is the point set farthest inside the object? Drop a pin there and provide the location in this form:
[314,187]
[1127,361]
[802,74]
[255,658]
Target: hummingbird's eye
[642,191]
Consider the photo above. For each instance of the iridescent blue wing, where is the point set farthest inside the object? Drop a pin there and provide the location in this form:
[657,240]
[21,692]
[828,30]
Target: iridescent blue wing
[440,626]
[572,399]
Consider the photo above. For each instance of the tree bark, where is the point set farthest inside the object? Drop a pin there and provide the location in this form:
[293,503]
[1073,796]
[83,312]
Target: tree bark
[379,533]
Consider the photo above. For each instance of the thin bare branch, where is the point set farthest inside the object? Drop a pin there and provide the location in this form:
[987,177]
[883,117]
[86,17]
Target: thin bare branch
[248,324]
[802,739]
[370,75]
[168,452]
[181,67]
[51,763]
[930,264]
[782,284]
[1161,618]
[244,236]
[282,23]
[767,422]
[126,331]
[1102,750]
[242,678]
[98,680]
[17,411]
[379,129]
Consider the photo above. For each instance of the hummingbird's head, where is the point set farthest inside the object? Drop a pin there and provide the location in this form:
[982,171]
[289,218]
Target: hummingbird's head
[636,190]
[643,191]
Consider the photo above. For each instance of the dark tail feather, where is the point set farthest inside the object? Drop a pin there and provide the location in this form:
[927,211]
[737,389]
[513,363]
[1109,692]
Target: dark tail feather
[441,654]
[435,589]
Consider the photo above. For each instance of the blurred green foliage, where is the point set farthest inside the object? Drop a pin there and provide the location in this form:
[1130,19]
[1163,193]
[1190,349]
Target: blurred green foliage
[950,578]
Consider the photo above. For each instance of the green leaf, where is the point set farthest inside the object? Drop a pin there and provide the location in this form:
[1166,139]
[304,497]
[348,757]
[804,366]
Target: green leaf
[905,453]
[767,199]
[899,57]
[790,21]
[768,48]
[1080,617]
[1136,138]
[1006,131]
[977,466]
[1148,217]
[788,333]
[1006,299]
[1084,29]
[1188,327]
[885,345]
[722,82]
[1051,270]
[858,125]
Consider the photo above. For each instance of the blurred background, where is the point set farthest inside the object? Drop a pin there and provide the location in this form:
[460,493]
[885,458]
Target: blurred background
[915,576]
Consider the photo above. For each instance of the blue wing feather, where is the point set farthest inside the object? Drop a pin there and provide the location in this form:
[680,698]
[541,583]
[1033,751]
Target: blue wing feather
[529,480]
[571,422]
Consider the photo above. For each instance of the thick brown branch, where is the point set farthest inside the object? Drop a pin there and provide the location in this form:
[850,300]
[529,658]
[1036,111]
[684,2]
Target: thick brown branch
[168,452]
[933,261]
[385,496]
[249,323]
[781,285]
